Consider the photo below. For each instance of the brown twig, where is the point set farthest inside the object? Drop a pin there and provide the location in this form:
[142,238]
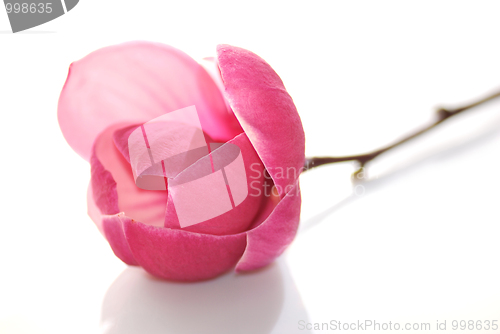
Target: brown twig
[442,115]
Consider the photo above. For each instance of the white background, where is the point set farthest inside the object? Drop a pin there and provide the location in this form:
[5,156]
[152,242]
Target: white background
[421,244]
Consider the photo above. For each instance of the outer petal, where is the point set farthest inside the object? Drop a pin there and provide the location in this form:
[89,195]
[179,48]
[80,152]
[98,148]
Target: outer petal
[103,187]
[92,210]
[134,83]
[113,231]
[111,227]
[180,255]
[114,188]
[268,240]
[266,112]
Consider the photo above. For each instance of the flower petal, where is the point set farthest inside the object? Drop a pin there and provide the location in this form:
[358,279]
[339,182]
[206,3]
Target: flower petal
[210,65]
[113,231]
[239,218]
[266,112]
[92,210]
[111,227]
[268,240]
[182,256]
[269,202]
[134,83]
[114,187]
[103,187]
[120,137]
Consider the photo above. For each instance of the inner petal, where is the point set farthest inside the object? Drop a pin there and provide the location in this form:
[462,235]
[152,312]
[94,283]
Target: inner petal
[219,194]
[142,205]
[163,147]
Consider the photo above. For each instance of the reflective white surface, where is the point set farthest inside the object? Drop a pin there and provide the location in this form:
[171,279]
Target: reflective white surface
[417,244]
[252,303]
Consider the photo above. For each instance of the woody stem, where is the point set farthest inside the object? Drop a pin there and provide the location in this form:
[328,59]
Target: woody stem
[441,115]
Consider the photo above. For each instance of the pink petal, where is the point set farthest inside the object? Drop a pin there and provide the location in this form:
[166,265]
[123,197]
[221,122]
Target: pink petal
[92,210]
[133,83]
[113,231]
[210,65]
[164,146]
[103,187]
[268,240]
[182,256]
[111,228]
[114,188]
[120,137]
[266,112]
[239,218]
[269,202]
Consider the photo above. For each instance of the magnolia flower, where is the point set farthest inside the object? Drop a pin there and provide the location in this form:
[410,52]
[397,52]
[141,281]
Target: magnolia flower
[114,93]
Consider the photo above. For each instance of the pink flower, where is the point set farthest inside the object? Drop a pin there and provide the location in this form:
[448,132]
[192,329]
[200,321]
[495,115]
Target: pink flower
[114,90]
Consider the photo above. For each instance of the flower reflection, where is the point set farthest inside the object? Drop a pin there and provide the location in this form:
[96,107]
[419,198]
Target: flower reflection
[262,302]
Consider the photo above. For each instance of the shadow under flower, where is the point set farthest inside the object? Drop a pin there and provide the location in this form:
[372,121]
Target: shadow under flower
[265,301]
